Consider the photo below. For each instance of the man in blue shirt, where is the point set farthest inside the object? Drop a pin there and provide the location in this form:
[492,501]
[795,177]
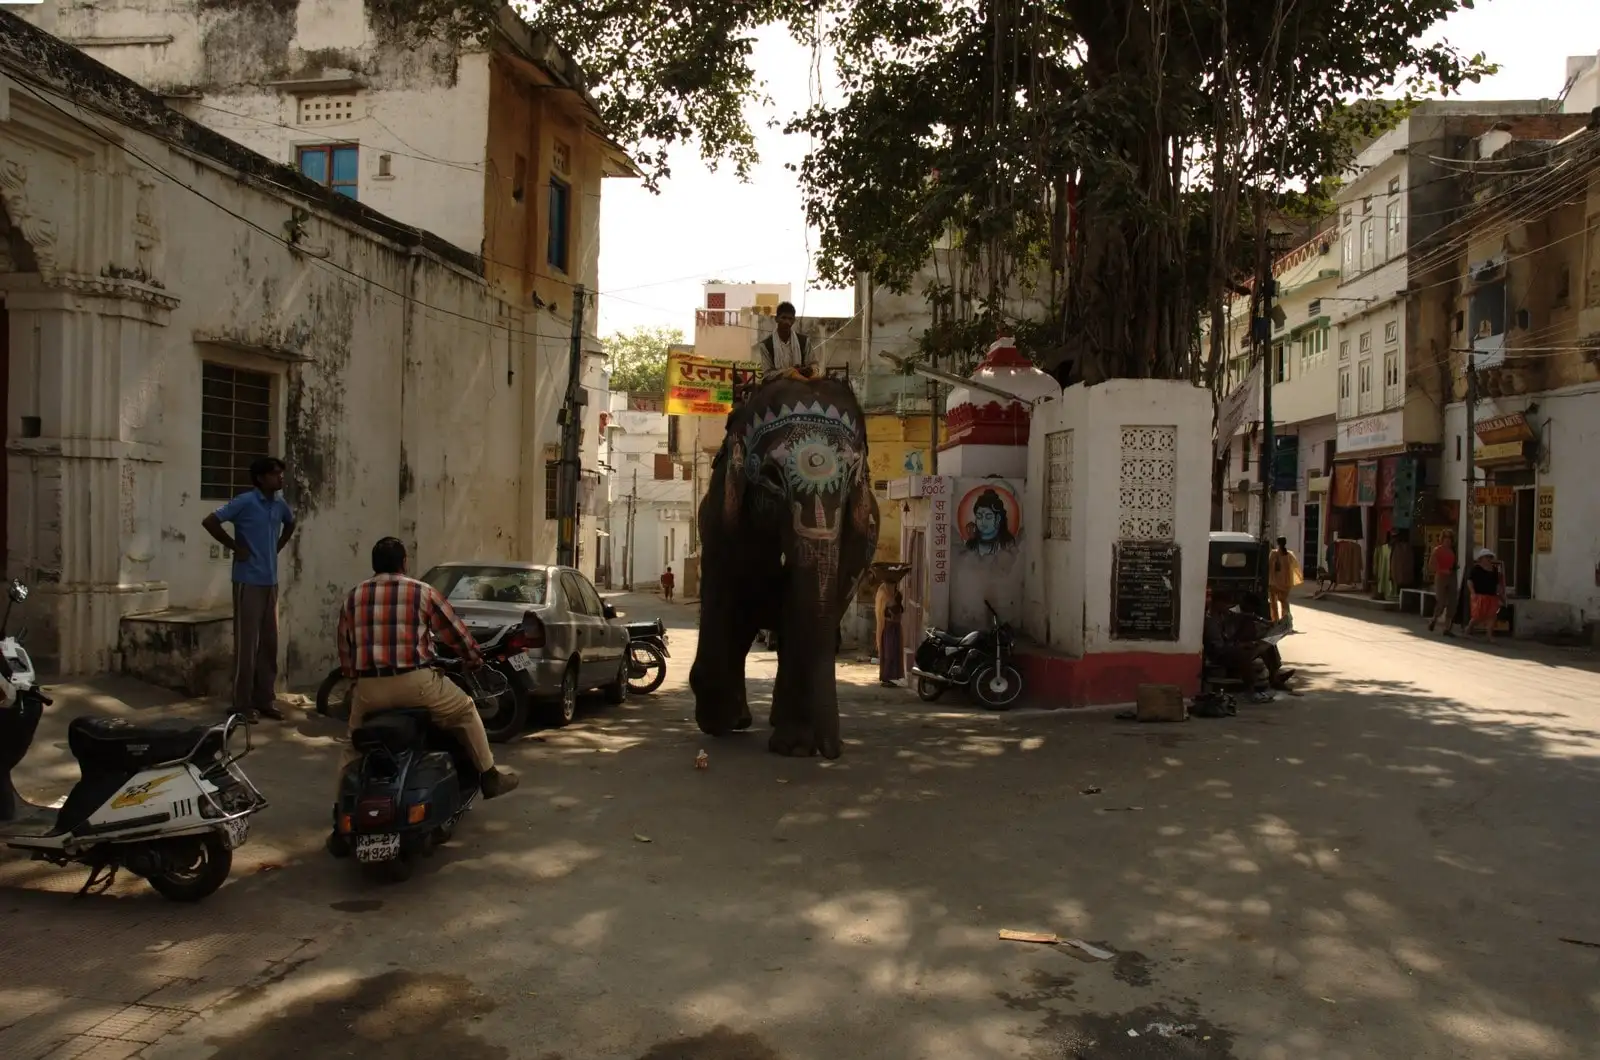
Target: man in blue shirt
[262,524]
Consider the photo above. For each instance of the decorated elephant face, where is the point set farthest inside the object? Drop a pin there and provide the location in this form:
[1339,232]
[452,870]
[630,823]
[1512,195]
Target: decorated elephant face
[807,457]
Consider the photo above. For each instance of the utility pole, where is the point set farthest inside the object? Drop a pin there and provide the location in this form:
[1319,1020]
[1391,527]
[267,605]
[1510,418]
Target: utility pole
[1470,504]
[1269,450]
[571,427]
[633,506]
[933,427]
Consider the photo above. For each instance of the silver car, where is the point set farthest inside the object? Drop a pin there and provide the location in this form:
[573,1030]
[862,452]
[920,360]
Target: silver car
[545,627]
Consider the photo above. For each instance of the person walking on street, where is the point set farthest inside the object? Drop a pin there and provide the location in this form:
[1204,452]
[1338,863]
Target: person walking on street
[668,582]
[1283,574]
[1488,584]
[262,522]
[387,631]
[891,654]
[1442,565]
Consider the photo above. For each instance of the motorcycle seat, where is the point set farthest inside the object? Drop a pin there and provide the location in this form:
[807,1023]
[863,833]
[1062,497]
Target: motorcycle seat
[116,743]
[396,730]
[637,630]
[954,640]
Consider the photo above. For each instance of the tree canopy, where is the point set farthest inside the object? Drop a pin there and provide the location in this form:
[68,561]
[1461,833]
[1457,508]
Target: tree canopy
[637,359]
[1129,149]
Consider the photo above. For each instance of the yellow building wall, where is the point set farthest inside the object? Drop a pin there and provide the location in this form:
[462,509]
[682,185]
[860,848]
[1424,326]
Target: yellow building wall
[890,438]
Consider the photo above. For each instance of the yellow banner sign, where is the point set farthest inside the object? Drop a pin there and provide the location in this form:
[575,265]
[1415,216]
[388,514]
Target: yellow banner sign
[1544,519]
[702,386]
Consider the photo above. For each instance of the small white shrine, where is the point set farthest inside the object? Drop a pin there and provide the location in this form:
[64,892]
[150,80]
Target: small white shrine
[1082,517]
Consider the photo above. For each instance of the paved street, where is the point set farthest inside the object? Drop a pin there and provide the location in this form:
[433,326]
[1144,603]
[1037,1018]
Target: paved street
[1381,867]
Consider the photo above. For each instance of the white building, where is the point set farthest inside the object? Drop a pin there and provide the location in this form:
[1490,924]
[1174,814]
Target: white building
[651,498]
[1393,321]
[173,305]
[1303,399]
[494,147]
[1582,84]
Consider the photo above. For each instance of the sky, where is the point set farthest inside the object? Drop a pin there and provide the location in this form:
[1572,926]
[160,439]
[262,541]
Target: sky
[657,249]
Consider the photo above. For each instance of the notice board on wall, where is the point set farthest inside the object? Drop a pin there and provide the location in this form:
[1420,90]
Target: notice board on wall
[1144,590]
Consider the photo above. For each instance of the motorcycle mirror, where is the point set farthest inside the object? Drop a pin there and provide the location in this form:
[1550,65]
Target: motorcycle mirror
[19,592]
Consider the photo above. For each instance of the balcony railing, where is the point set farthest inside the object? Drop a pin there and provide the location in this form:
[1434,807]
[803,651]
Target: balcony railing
[716,318]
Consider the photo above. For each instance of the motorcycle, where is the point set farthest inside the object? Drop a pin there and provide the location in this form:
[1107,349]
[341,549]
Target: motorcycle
[165,800]
[508,717]
[413,782]
[976,661]
[647,656]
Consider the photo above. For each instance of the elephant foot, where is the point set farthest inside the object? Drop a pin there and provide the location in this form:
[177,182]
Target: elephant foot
[743,722]
[792,743]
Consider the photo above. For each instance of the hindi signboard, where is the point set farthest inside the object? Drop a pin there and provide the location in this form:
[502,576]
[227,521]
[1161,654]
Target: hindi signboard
[1544,519]
[704,386]
[1144,590]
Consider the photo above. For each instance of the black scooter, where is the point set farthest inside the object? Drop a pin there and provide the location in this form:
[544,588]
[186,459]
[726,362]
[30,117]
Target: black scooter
[647,656]
[978,661]
[413,783]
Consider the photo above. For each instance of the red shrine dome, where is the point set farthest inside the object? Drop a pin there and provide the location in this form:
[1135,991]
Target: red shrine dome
[978,417]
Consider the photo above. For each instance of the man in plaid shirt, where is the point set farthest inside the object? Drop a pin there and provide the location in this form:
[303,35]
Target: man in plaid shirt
[387,631]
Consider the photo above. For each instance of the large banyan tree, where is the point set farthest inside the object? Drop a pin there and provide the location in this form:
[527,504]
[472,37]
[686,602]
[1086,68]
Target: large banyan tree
[1120,157]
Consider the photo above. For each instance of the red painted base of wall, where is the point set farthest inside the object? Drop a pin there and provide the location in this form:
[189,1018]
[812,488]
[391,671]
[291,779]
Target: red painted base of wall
[1098,680]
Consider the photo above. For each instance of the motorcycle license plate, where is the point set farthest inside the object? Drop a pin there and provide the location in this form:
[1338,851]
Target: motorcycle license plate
[523,660]
[378,847]
[237,832]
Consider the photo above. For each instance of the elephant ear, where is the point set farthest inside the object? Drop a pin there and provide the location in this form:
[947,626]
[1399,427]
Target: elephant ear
[733,483]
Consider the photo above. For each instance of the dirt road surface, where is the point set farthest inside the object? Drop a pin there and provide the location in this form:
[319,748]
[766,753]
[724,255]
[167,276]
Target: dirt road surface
[1384,866]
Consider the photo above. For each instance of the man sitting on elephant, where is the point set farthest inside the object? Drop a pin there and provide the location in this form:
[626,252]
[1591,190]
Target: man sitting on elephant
[787,528]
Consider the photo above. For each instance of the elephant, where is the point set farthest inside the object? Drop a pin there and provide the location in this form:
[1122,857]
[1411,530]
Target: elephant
[787,528]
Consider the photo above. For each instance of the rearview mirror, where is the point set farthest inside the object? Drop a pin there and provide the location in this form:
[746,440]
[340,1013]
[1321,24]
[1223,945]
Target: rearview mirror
[19,592]
[608,610]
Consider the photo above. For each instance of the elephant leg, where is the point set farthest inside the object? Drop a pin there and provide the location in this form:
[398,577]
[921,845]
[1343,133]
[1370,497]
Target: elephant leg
[717,676]
[805,698]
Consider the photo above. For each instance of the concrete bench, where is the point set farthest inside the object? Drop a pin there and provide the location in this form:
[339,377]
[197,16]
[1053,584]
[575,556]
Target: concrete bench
[1425,601]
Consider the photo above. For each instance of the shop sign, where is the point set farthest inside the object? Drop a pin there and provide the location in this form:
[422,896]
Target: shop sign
[1501,453]
[1513,427]
[1544,519]
[1494,496]
[1383,431]
[704,386]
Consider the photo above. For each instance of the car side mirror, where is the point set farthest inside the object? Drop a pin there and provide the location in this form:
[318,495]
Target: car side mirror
[19,592]
[608,611]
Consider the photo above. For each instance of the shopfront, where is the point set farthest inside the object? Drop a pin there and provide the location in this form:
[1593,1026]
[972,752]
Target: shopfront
[1377,488]
[1505,510]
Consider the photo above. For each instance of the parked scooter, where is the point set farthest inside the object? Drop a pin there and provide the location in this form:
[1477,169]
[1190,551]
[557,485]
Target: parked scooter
[647,656]
[413,782]
[165,800]
[508,716]
[979,661]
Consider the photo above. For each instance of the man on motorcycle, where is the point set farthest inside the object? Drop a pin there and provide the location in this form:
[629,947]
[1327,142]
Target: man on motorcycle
[387,630]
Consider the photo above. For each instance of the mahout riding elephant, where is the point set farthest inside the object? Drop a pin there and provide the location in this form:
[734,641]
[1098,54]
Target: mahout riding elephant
[787,528]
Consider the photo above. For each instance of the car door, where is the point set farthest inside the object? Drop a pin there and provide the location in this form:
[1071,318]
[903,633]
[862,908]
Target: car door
[610,640]
[585,629]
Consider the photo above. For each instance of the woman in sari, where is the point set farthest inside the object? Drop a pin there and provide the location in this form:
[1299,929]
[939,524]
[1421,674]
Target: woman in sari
[891,656]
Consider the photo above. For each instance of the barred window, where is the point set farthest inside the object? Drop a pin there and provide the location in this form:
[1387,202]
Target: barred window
[235,427]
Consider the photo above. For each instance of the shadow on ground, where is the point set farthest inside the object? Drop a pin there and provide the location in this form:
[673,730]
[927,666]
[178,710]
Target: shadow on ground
[1375,869]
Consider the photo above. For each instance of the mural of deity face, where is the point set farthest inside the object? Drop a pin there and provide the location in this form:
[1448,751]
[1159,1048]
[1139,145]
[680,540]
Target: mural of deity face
[989,530]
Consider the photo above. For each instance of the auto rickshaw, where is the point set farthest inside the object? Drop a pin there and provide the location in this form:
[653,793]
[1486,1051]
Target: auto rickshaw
[1236,570]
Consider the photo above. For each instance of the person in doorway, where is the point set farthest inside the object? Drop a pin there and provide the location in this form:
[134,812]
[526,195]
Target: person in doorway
[1442,566]
[263,523]
[668,581]
[891,654]
[785,347]
[388,628]
[1283,574]
[1487,580]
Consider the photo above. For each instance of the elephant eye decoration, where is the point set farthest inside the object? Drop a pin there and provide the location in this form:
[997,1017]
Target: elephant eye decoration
[814,465]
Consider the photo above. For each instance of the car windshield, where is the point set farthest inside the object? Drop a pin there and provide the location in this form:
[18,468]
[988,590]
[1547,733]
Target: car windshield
[493,585]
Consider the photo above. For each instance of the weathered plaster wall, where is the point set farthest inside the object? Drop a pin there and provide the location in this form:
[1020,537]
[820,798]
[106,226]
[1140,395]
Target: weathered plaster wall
[405,395]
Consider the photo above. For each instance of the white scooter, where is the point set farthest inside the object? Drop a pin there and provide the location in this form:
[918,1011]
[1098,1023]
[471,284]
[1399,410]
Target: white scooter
[166,801]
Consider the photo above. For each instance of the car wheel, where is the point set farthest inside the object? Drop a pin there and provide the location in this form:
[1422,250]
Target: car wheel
[566,708]
[617,691]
